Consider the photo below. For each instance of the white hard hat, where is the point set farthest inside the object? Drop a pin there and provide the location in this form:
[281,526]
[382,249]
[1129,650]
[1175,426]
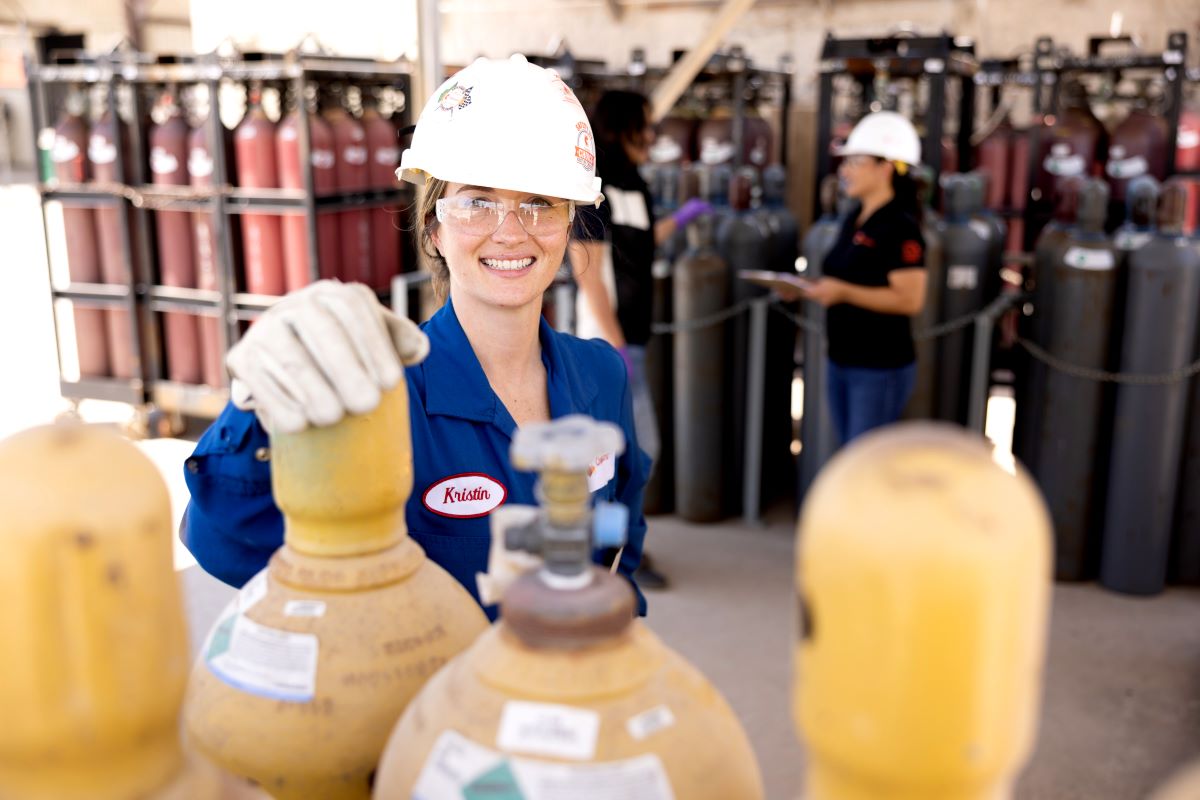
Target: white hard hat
[506,124]
[885,134]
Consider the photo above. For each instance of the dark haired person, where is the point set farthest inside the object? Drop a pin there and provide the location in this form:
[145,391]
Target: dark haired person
[874,278]
[613,254]
[495,214]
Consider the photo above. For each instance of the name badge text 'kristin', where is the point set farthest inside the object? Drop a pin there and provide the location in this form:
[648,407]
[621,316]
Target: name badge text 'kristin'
[465,496]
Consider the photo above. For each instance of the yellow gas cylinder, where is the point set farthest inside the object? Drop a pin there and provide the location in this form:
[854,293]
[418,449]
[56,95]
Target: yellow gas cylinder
[923,573]
[569,695]
[304,675]
[92,631]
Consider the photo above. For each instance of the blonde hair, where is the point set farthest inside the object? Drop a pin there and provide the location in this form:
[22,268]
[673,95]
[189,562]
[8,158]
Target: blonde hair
[426,222]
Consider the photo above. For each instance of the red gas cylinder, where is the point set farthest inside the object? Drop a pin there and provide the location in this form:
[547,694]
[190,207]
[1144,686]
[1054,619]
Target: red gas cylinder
[176,257]
[673,141]
[1138,147]
[1187,141]
[262,238]
[291,176]
[715,138]
[200,174]
[353,175]
[1072,146]
[385,222]
[994,159]
[79,226]
[102,156]
[758,145]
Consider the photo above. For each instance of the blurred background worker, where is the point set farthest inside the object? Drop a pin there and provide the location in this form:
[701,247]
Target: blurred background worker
[874,278]
[613,255]
[494,217]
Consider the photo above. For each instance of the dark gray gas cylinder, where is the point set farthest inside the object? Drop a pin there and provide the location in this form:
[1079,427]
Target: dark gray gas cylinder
[966,251]
[1148,424]
[701,288]
[1074,417]
[1035,326]
[922,404]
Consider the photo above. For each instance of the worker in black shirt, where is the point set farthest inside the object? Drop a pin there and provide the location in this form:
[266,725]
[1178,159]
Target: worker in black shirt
[612,254]
[874,278]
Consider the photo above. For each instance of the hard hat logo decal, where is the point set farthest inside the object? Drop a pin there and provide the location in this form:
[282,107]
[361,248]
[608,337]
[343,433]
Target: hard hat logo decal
[585,152]
[465,496]
[455,98]
[568,96]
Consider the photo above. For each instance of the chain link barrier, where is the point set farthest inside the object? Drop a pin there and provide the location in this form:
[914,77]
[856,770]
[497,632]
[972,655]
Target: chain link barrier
[688,325]
[1104,376]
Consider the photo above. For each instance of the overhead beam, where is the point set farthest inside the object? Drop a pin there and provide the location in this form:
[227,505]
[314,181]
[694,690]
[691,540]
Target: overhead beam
[687,68]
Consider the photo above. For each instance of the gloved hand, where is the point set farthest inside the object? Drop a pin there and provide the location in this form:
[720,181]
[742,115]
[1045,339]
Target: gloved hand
[325,350]
[624,351]
[690,210]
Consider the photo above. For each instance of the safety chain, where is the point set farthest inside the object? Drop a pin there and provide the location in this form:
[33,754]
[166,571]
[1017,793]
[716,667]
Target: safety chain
[1126,378]
[800,322]
[687,325]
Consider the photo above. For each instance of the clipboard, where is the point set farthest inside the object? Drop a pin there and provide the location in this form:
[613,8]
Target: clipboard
[787,281]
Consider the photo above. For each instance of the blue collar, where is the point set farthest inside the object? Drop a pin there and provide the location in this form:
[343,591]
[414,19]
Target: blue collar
[456,386]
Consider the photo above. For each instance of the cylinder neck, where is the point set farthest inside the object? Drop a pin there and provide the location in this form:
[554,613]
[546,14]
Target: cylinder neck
[544,616]
[343,488]
[1173,207]
[1093,207]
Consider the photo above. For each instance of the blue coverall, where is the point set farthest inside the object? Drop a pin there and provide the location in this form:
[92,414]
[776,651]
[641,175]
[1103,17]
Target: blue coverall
[459,428]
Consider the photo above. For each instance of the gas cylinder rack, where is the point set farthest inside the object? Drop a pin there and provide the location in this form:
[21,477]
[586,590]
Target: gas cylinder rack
[933,64]
[103,264]
[144,293]
[1051,65]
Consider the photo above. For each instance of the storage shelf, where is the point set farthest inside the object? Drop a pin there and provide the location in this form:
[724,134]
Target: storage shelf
[117,390]
[80,194]
[102,295]
[291,201]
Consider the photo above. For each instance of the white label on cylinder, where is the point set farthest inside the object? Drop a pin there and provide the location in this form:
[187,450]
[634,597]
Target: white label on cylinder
[714,151]
[1065,166]
[387,156]
[200,164]
[101,151]
[162,162]
[665,150]
[304,608]
[254,590]
[650,722]
[64,150]
[544,729]
[1187,138]
[1131,240]
[355,154]
[981,229]
[246,131]
[289,134]
[962,276]
[264,661]
[1085,258]
[1127,167]
[323,159]
[459,767]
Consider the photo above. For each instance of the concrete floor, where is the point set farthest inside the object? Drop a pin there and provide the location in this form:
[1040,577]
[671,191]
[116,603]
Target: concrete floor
[1122,701]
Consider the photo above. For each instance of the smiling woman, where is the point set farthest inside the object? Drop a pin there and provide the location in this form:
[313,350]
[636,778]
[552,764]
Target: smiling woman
[494,218]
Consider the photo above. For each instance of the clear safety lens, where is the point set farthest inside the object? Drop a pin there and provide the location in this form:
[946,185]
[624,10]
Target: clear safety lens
[482,217]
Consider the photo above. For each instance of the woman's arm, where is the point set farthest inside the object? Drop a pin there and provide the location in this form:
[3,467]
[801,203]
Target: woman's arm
[904,295]
[587,262]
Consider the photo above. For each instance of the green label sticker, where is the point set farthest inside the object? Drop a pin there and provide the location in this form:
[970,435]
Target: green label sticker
[218,643]
[497,783]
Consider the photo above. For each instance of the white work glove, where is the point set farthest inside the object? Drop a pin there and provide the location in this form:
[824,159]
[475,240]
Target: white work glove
[319,353]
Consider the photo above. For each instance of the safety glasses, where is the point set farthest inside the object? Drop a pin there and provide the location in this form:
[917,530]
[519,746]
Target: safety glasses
[479,216]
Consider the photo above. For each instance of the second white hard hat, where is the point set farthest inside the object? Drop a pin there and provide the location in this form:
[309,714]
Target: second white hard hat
[885,134]
[506,124]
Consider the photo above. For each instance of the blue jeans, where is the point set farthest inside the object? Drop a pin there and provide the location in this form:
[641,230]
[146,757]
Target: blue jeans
[861,399]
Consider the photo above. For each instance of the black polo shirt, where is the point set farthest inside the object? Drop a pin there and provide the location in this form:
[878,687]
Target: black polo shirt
[626,220]
[890,239]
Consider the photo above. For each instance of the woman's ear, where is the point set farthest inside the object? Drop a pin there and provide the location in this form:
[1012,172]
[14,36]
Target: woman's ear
[435,236]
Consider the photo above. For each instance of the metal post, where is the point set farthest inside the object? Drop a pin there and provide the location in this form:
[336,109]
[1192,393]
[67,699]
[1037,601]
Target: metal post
[738,89]
[299,84]
[824,134]
[429,71]
[1176,44]
[564,306]
[123,173]
[966,123]
[226,279]
[981,366]
[755,380]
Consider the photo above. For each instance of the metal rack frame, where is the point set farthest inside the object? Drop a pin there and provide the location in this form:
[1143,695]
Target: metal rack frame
[938,58]
[143,296]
